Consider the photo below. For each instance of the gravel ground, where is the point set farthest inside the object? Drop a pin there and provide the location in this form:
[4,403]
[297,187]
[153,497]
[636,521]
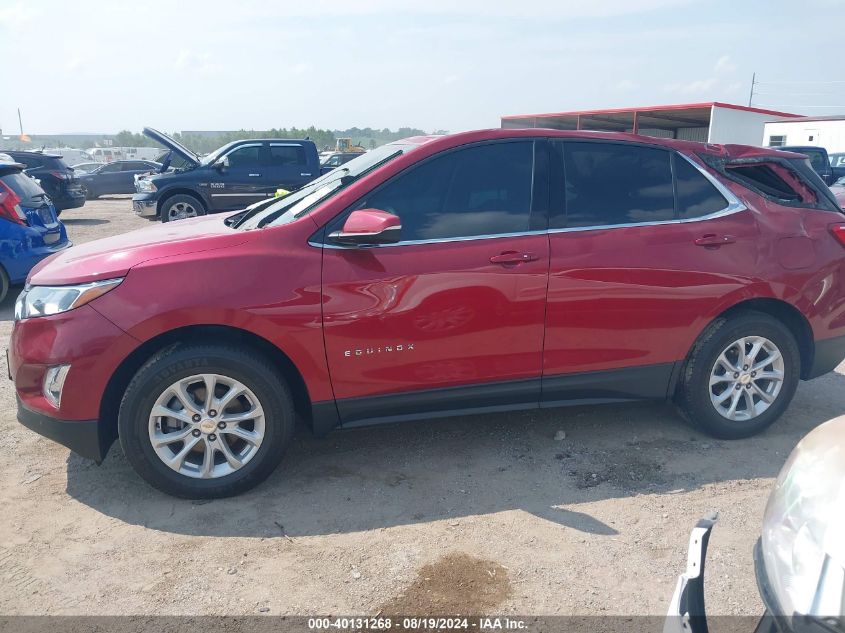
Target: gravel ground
[479,514]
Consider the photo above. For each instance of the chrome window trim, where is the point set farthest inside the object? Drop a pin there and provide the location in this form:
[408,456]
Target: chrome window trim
[237,147]
[734,206]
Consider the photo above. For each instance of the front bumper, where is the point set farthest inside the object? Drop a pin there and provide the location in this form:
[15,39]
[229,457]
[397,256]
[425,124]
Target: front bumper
[81,436]
[144,206]
[686,611]
[688,615]
[70,199]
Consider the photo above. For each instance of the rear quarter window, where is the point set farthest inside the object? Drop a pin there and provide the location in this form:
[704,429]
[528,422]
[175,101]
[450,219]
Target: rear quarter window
[763,177]
[697,196]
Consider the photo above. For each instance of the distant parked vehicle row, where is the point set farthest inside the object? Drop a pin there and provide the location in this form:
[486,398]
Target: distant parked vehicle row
[54,176]
[116,177]
[232,177]
[29,226]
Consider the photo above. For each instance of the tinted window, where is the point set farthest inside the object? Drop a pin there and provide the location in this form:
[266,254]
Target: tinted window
[111,168]
[30,161]
[23,186]
[287,155]
[482,190]
[696,195]
[610,184]
[761,177]
[134,166]
[246,156]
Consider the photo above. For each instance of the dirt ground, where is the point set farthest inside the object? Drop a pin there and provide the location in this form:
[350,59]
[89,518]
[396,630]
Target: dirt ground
[478,514]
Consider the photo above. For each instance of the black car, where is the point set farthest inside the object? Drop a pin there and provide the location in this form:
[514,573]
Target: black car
[116,177]
[232,177]
[54,176]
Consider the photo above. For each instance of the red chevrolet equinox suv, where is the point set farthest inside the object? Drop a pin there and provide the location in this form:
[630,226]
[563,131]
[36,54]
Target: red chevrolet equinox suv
[484,271]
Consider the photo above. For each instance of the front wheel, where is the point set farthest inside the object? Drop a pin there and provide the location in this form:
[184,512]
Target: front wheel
[205,421]
[740,376]
[181,206]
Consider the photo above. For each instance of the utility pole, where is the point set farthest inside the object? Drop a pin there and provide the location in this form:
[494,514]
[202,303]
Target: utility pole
[751,95]
[20,123]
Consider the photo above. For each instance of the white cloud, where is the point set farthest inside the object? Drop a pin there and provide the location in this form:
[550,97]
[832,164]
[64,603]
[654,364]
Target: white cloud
[696,86]
[193,61]
[301,68]
[17,16]
[569,9]
[724,65]
[625,85]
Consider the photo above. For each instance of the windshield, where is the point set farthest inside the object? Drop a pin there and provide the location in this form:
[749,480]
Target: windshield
[213,156]
[299,203]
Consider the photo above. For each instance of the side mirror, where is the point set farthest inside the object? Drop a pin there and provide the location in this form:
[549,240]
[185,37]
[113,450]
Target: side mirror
[223,163]
[368,227]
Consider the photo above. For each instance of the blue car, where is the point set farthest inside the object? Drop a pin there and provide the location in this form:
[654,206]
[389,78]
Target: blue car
[30,229]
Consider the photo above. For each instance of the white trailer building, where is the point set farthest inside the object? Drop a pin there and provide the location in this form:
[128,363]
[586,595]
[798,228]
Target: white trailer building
[818,131]
[711,122]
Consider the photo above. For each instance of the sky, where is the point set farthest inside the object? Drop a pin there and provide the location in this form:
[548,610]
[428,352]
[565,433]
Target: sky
[103,66]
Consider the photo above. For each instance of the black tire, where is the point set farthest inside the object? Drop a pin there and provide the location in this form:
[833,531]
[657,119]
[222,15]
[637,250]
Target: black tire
[4,283]
[90,194]
[694,391]
[180,199]
[182,361]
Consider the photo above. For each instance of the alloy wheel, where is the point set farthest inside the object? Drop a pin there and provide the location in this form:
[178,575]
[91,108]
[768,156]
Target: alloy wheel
[747,378]
[181,210]
[206,426]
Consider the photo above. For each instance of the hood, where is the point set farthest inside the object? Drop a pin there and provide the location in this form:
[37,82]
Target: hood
[114,256]
[169,143]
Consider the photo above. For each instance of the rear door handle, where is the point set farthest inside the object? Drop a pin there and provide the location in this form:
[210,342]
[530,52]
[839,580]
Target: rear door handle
[254,175]
[512,257]
[715,240]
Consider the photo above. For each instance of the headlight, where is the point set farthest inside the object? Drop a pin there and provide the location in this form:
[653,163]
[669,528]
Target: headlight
[804,526]
[145,185]
[37,301]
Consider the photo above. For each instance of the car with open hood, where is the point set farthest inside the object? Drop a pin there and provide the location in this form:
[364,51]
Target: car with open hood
[232,177]
[484,271]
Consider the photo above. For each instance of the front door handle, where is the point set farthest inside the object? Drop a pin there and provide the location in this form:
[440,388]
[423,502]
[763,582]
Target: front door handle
[712,240]
[512,257]
[254,175]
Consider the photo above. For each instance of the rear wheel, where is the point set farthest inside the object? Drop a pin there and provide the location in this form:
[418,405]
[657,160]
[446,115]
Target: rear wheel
[181,206]
[740,376]
[205,421]
[90,194]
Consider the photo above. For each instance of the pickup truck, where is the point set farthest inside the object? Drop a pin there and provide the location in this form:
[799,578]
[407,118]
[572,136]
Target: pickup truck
[819,161]
[230,178]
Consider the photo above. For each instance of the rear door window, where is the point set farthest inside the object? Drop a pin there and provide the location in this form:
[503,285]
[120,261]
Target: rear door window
[480,190]
[607,184]
[286,155]
[697,196]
